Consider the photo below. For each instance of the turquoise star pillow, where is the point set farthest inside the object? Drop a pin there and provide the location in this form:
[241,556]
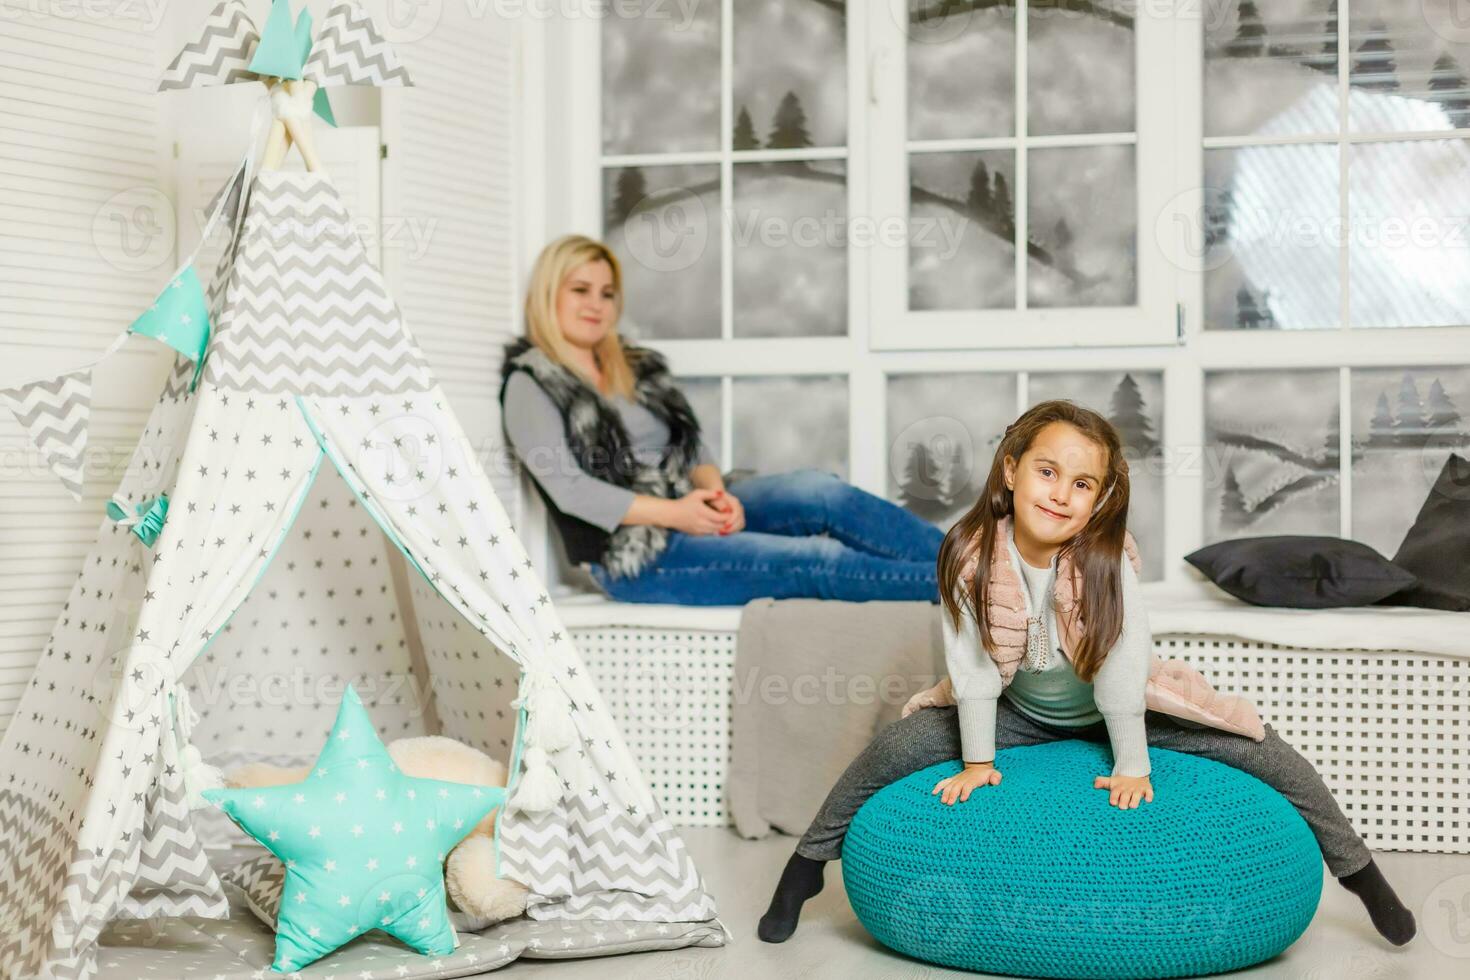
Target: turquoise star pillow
[363,844]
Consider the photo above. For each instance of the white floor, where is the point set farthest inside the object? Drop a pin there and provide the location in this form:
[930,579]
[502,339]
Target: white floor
[1340,945]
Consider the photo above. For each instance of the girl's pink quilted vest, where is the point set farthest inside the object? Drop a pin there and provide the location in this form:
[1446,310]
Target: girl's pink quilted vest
[1174,688]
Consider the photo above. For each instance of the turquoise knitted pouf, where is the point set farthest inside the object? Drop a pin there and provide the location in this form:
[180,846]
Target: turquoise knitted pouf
[1041,877]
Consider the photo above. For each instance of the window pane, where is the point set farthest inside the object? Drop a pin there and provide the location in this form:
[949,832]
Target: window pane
[1409,213]
[1406,422]
[962,218]
[704,396]
[790,242]
[791,423]
[1083,236]
[1079,68]
[663,225]
[1408,65]
[943,430]
[790,74]
[961,70]
[661,78]
[1270,464]
[1270,67]
[1133,401]
[1270,238]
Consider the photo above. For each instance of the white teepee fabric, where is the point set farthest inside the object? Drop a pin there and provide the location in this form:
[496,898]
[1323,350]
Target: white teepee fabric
[310,369]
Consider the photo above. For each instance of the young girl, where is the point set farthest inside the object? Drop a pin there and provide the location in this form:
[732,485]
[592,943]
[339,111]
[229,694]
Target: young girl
[1078,664]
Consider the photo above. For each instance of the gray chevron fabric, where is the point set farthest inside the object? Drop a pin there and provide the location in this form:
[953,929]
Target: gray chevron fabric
[310,375]
[54,414]
[305,311]
[221,55]
[350,50]
[174,874]
[599,862]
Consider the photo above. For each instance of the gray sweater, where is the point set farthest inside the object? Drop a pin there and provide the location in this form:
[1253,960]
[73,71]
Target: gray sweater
[1118,688]
[538,436]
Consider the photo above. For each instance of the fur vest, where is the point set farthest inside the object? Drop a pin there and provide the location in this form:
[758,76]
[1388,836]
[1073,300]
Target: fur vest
[1174,687]
[601,445]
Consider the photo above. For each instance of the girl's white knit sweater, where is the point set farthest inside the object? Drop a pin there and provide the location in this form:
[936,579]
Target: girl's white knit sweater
[1118,687]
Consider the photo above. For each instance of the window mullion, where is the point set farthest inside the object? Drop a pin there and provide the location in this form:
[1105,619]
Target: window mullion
[1023,186]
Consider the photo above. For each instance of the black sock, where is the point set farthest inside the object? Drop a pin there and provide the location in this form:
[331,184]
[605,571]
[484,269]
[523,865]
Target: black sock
[801,879]
[1394,922]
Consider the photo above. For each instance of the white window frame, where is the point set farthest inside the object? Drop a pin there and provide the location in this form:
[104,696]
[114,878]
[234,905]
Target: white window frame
[729,357]
[1165,333]
[1152,320]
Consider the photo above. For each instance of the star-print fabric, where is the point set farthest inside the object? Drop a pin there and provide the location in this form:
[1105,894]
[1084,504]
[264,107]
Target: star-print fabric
[363,844]
[310,375]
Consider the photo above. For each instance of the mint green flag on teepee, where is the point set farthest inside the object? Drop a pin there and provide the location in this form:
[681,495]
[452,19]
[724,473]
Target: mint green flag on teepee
[279,53]
[303,40]
[323,107]
[179,317]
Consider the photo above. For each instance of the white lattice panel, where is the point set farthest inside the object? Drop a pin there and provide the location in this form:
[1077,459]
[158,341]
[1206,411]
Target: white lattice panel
[670,693]
[1389,731]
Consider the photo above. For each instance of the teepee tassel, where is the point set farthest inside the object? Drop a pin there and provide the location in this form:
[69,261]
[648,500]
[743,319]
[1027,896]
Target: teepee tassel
[198,777]
[548,718]
[538,789]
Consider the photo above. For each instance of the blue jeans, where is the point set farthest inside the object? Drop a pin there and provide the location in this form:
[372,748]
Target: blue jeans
[808,534]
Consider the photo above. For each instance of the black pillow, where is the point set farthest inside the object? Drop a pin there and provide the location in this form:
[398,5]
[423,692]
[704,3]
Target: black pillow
[1301,572]
[1437,547]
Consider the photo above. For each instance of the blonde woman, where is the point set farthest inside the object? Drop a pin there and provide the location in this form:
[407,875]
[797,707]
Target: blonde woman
[616,453]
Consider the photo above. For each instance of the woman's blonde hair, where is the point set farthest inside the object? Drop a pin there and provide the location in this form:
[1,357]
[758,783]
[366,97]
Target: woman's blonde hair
[1096,551]
[557,261]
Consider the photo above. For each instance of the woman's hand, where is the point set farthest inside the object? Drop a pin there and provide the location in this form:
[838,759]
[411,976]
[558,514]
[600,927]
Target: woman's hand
[958,787]
[1125,792]
[694,513]
[733,509]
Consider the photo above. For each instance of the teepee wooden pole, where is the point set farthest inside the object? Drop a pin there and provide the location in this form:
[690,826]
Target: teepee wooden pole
[299,131]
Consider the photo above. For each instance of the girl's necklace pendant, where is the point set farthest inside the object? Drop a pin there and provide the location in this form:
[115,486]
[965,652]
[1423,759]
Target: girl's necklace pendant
[1037,644]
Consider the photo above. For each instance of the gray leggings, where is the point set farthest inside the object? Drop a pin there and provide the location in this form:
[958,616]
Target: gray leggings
[932,735]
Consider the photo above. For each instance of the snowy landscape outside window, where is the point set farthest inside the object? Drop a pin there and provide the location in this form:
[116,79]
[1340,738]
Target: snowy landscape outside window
[725,196]
[1295,246]
[1194,219]
[1333,201]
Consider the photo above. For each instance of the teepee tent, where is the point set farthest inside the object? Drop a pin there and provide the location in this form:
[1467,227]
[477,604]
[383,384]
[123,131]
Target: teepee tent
[315,426]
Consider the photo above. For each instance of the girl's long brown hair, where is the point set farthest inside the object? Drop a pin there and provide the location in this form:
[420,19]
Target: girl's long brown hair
[1096,551]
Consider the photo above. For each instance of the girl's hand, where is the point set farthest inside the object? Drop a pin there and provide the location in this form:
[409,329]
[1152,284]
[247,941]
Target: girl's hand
[733,509]
[959,787]
[694,513]
[1125,792]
